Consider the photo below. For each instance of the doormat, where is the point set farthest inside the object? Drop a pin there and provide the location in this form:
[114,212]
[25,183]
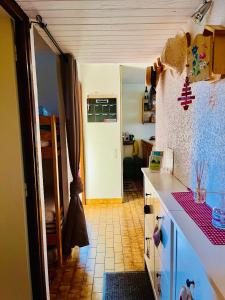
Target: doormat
[127,286]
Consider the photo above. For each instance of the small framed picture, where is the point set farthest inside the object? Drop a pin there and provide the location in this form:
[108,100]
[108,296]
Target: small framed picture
[155,160]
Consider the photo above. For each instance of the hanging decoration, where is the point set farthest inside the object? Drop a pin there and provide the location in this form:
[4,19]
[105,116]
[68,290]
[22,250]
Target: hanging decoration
[186,95]
[199,58]
[174,53]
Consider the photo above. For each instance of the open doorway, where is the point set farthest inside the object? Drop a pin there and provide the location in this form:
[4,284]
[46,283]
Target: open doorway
[52,151]
[138,129]
[57,113]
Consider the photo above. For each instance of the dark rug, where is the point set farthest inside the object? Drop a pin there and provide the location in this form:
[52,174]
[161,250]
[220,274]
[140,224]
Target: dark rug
[127,286]
[129,186]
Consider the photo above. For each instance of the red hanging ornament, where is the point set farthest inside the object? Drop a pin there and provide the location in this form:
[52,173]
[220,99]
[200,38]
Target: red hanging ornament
[186,95]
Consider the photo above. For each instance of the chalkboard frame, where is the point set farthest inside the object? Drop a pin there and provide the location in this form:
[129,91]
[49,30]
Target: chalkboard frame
[101,110]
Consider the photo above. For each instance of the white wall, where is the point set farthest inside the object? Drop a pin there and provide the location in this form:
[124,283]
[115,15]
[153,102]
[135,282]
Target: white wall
[198,133]
[102,141]
[14,259]
[132,113]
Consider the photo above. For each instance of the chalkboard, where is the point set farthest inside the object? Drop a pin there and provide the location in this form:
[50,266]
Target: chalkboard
[101,110]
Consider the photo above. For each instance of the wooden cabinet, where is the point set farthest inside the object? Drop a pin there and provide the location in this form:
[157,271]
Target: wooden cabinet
[146,151]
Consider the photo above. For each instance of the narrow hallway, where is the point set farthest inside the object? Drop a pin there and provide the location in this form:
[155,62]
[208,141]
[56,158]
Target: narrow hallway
[116,244]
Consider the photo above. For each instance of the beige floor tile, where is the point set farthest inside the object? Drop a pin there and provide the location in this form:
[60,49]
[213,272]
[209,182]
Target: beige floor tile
[99,270]
[109,263]
[109,243]
[109,252]
[116,244]
[119,267]
[101,248]
[100,258]
[97,285]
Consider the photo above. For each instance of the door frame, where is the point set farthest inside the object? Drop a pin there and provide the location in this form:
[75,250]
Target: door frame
[28,129]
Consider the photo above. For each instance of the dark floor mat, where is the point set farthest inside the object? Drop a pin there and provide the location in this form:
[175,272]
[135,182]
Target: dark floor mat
[127,286]
[129,186]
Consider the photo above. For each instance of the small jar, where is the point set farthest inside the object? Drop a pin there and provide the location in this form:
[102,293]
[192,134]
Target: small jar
[200,195]
[218,218]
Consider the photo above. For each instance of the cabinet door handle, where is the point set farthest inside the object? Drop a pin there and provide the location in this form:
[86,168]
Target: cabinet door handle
[159,218]
[148,238]
[190,282]
[148,194]
[148,209]
[158,275]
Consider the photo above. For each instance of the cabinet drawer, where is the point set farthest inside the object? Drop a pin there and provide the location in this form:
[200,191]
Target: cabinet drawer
[149,190]
[161,280]
[189,266]
[149,245]
[164,248]
[150,264]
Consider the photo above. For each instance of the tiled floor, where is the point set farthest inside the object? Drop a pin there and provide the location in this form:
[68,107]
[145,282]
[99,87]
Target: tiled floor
[116,244]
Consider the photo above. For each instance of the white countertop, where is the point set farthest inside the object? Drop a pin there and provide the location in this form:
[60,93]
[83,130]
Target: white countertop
[212,256]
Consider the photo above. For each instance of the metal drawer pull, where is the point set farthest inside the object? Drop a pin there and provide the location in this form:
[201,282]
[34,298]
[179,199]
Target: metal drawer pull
[148,238]
[190,282]
[147,194]
[159,218]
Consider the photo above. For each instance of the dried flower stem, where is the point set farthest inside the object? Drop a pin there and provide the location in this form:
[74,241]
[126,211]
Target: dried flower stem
[199,169]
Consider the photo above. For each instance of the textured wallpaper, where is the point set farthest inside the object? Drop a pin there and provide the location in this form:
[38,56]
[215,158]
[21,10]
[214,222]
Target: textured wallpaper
[208,140]
[196,134]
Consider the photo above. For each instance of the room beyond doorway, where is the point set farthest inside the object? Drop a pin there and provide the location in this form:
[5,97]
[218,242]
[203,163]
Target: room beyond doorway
[135,132]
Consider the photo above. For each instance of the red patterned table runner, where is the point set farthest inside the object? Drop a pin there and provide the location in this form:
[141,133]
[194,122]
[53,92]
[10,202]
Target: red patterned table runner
[201,214]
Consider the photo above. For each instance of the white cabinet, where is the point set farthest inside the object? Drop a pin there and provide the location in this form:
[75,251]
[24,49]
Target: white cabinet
[161,279]
[149,227]
[163,221]
[157,259]
[174,261]
[188,266]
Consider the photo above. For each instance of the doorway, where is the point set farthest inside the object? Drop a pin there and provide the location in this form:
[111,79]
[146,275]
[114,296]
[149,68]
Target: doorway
[53,164]
[135,132]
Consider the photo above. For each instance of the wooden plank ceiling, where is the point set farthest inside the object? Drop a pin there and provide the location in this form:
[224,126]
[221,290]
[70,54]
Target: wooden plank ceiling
[115,31]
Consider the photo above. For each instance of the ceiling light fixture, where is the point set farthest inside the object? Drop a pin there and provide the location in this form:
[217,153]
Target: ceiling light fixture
[198,16]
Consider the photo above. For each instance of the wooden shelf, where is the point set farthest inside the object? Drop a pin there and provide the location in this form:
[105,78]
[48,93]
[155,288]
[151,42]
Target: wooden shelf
[148,112]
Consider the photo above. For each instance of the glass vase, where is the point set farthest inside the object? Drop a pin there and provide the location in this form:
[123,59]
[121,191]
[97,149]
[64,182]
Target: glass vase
[200,195]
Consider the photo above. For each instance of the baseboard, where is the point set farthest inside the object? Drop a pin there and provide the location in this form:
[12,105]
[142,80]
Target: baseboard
[104,201]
